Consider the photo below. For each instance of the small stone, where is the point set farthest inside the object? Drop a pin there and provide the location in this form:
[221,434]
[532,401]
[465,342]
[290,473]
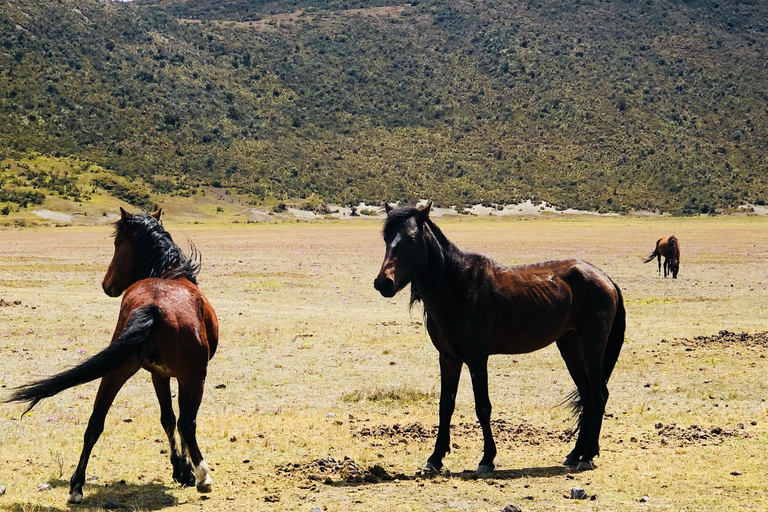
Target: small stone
[577,493]
[315,509]
[93,478]
[330,415]
[511,508]
[220,386]
[233,439]
[658,426]
[44,487]
[644,499]
[2,489]
[111,504]
[736,472]
[127,420]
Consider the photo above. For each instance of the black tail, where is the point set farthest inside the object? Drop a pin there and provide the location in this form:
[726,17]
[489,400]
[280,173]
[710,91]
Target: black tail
[612,349]
[615,338]
[136,331]
[653,255]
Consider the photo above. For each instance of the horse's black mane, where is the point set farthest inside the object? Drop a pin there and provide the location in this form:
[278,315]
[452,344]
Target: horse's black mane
[155,252]
[674,250]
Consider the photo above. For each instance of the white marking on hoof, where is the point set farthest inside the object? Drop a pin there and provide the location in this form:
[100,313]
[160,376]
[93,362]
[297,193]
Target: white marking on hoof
[586,466]
[484,469]
[202,478]
[430,469]
[74,497]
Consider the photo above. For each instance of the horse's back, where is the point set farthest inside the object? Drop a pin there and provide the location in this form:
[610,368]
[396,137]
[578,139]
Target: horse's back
[537,304]
[187,326]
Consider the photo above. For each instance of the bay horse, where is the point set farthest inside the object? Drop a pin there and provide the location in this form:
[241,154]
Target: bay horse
[475,307]
[668,247]
[165,326]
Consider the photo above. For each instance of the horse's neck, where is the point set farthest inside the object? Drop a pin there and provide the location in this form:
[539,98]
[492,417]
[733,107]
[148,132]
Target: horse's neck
[434,282]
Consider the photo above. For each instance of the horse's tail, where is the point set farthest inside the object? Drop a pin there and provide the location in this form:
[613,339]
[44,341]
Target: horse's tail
[654,253]
[610,356]
[137,329]
[615,338]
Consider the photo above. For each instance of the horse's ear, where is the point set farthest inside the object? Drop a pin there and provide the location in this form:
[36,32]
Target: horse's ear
[157,213]
[386,206]
[124,214]
[424,212]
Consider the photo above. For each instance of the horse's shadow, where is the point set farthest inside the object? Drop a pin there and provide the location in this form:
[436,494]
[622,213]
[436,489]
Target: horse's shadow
[514,474]
[149,496]
[499,474]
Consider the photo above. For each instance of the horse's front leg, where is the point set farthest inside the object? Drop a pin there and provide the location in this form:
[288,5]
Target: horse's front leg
[450,373]
[479,371]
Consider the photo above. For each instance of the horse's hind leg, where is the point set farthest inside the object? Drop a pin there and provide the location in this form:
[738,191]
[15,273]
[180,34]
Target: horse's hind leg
[571,353]
[659,258]
[450,373]
[182,468]
[108,389]
[190,396]
[479,372]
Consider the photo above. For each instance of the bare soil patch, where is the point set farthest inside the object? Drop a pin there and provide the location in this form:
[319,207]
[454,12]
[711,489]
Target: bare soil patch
[724,337]
[504,431]
[685,436]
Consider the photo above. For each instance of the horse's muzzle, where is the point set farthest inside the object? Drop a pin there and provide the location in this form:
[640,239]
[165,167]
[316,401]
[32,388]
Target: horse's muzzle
[109,290]
[385,286]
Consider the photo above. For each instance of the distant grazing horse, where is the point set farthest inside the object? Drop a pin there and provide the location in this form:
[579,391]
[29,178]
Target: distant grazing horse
[166,326]
[670,249]
[475,307]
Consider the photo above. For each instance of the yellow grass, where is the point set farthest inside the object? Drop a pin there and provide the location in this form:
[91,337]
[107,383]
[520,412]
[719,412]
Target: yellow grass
[312,356]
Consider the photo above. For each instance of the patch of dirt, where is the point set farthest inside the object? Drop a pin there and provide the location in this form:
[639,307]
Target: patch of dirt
[695,434]
[330,470]
[504,431]
[758,339]
[51,215]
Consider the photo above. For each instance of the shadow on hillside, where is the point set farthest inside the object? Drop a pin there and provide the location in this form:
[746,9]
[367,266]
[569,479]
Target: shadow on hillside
[151,496]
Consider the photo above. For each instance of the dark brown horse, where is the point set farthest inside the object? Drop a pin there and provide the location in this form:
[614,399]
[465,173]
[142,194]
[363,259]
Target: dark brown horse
[670,249]
[166,326]
[475,307]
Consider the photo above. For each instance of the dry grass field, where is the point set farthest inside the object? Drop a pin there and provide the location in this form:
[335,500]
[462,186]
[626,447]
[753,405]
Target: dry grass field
[314,365]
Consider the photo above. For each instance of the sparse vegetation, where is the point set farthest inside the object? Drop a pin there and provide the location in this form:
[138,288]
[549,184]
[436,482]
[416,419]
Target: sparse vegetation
[604,106]
[403,394]
[282,404]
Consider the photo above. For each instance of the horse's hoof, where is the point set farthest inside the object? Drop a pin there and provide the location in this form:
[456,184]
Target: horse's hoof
[571,462]
[430,469]
[205,486]
[484,469]
[186,480]
[75,497]
[586,465]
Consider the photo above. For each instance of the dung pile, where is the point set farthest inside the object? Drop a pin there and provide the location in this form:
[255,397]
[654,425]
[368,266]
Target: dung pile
[504,431]
[328,470]
[758,339]
[695,434]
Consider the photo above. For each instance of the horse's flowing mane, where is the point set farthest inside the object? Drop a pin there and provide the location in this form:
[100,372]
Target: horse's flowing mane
[155,252]
[674,249]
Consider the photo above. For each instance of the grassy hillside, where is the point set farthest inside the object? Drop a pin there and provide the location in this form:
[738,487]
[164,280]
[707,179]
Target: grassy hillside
[607,106]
